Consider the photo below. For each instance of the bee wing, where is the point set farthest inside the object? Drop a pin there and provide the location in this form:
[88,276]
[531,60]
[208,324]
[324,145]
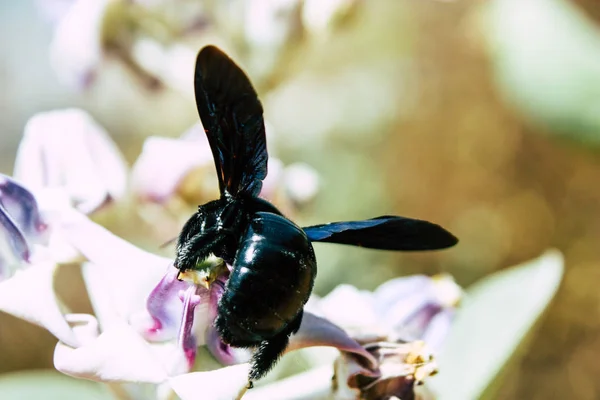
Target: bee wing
[232,117]
[385,233]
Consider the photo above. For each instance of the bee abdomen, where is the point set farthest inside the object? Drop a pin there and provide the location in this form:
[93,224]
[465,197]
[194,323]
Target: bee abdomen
[272,278]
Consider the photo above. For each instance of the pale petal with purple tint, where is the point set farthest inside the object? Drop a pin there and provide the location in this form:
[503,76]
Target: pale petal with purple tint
[351,308]
[130,272]
[76,48]
[22,207]
[301,182]
[14,248]
[29,295]
[438,329]
[221,384]
[406,289]
[118,354]
[224,353]
[408,306]
[68,149]
[162,318]
[317,331]
[53,10]
[186,338]
[104,303]
[165,162]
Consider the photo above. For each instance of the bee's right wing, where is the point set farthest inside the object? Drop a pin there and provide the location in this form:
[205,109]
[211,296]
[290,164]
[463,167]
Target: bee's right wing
[384,233]
[232,117]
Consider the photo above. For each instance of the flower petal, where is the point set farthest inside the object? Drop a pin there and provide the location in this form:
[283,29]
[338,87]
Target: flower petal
[22,207]
[221,384]
[438,329]
[317,331]
[309,385]
[93,240]
[14,248]
[407,306]
[29,295]
[187,340]
[90,169]
[118,354]
[76,50]
[352,309]
[164,308]
[127,272]
[164,164]
[301,182]
[401,366]
[225,354]
[105,303]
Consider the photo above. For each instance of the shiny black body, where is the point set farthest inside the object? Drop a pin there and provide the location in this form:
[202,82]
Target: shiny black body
[273,275]
[273,261]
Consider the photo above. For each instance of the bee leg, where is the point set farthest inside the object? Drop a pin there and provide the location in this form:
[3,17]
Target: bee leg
[270,350]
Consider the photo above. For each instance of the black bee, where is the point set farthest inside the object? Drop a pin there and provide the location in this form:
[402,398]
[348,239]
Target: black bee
[273,261]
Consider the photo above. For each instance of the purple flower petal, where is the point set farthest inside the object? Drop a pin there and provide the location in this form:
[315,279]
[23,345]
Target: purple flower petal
[317,331]
[13,246]
[187,340]
[402,296]
[22,207]
[408,306]
[438,329]
[223,352]
[165,307]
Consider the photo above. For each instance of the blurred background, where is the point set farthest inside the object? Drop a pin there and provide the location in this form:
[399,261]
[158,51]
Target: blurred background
[482,116]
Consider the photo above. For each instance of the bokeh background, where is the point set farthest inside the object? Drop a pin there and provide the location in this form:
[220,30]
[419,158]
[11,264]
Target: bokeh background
[483,116]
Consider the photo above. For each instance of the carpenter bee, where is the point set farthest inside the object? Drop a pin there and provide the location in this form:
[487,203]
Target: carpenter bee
[272,258]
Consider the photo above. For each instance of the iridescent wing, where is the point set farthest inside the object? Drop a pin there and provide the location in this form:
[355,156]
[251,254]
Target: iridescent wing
[385,233]
[232,117]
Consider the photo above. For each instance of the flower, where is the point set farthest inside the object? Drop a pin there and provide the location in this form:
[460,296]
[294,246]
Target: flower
[76,50]
[26,269]
[21,223]
[58,178]
[402,324]
[69,153]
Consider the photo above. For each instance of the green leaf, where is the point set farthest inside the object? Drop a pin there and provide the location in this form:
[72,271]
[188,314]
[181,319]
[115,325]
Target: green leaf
[546,61]
[49,385]
[495,317]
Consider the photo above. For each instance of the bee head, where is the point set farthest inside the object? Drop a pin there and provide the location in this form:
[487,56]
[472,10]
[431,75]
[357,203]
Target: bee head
[205,272]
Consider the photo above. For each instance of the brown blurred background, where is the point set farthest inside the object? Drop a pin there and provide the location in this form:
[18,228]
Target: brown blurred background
[399,109]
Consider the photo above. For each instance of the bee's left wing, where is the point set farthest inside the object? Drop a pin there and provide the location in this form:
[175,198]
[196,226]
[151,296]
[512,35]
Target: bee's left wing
[232,117]
[384,233]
